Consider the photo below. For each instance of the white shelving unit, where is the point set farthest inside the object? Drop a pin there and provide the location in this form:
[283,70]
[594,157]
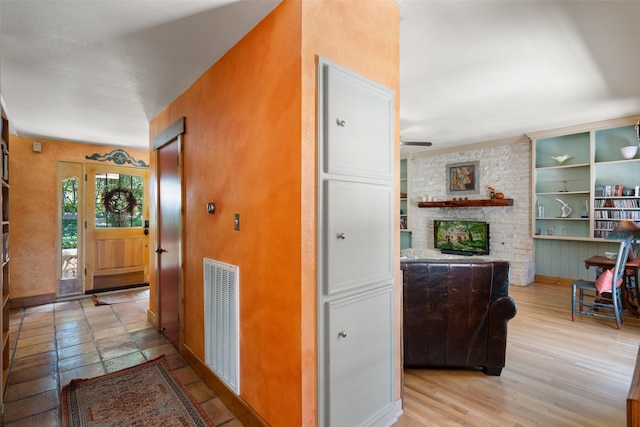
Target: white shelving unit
[589,181]
[405,194]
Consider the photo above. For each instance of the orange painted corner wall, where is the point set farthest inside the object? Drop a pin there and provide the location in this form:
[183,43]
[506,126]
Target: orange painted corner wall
[250,147]
[33,209]
[364,37]
[241,150]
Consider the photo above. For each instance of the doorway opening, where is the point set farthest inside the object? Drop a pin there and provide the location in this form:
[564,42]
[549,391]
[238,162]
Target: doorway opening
[102,234]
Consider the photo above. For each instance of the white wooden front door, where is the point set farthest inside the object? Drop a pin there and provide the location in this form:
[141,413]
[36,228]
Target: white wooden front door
[116,248]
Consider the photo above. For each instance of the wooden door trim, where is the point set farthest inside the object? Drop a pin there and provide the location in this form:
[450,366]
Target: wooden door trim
[169,134]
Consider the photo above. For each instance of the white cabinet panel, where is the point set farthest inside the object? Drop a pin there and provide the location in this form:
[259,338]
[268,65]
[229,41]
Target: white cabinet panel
[360,346]
[358,126]
[356,206]
[358,235]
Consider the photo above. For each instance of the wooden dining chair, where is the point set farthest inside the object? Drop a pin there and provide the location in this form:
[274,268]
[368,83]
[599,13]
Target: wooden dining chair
[591,299]
[631,275]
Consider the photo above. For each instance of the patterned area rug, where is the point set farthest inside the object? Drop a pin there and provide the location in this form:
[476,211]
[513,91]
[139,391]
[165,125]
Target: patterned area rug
[143,395]
[120,297]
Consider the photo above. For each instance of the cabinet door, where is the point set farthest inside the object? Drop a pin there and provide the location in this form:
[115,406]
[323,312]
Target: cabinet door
[355,250]
[358,235]
[359,341]
[358,126]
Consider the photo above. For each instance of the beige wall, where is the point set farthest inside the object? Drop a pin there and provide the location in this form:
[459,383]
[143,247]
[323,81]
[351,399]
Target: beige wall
[250,147]
[33,210]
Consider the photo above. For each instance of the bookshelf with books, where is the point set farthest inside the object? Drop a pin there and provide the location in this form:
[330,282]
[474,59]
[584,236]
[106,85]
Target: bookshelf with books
[616,181]
[4,260]
[582,168]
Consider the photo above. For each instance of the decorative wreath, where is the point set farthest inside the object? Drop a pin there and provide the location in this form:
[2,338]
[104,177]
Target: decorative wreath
[119,200]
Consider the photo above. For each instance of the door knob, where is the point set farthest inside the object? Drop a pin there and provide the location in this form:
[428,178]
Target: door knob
[160,250]
[342,334]
[341,236]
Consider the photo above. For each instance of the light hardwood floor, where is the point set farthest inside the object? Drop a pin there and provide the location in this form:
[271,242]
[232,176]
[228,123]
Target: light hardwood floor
[558,372]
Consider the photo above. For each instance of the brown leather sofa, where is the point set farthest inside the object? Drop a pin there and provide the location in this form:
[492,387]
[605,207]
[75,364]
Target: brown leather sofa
[455,313]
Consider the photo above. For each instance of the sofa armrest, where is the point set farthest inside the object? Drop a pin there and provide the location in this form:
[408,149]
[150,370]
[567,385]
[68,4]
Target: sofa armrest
[501,311]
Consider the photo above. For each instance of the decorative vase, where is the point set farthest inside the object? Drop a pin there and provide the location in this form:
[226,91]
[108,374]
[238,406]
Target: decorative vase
[492,194]
[629,152]
[499,195]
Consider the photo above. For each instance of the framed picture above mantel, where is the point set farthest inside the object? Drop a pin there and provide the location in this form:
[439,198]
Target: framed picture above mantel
[462,178]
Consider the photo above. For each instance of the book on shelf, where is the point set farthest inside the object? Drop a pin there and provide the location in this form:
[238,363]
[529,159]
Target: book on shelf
[613,190]
[617,203]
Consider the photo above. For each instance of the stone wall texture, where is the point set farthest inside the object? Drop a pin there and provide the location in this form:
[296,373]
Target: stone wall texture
[508,169]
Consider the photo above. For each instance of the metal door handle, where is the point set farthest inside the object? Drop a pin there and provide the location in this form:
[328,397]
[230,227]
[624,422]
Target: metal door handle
[340,123]
[160,250]
[342,334]
[341,236]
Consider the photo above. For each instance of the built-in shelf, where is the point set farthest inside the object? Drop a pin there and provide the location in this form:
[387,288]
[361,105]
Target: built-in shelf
[466,203]
[5,304]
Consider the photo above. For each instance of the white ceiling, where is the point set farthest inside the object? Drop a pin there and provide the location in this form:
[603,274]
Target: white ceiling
[97,71]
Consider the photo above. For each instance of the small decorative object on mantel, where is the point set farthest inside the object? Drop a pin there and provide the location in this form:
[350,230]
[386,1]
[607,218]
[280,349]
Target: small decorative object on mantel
[499,195]
[560,159]
[566,209]
[492,191]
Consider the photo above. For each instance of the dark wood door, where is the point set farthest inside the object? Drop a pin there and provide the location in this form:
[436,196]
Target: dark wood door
[168,251]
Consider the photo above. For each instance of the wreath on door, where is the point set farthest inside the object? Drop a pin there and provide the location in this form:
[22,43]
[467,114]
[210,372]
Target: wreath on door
[119,201]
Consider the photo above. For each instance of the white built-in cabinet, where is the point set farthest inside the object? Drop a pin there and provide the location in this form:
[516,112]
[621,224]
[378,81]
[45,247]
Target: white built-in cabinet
[356,201]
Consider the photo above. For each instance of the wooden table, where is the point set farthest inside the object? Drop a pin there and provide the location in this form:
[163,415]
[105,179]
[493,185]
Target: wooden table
[607,263]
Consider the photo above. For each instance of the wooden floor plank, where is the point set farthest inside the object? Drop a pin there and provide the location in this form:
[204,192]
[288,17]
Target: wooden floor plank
[558,372]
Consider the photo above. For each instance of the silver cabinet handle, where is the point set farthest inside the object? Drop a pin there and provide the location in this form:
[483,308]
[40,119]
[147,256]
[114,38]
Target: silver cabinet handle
[341,236]
[342,334]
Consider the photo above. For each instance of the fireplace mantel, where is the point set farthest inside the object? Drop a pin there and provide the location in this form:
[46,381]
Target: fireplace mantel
[466,203]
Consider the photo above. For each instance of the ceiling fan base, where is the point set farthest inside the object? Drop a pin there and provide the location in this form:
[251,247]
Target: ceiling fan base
[417,143]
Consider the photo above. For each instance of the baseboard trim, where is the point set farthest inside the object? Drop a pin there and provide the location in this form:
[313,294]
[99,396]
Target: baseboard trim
[550,280]
[240,409]
[32,301]
[394,415]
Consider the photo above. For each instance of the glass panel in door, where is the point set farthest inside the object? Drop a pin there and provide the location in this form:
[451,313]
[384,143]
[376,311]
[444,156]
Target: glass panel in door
[70,265]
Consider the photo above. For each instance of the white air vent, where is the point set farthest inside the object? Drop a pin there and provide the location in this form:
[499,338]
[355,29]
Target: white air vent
[221,328]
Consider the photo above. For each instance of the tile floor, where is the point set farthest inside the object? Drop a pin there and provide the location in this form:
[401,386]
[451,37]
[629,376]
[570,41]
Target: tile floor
[55,343]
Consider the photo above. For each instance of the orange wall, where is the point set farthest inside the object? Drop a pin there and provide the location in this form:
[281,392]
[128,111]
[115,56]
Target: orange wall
[32,209]
[249,146]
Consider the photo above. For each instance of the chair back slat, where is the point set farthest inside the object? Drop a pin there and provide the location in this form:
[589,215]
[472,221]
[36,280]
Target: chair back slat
[619,271]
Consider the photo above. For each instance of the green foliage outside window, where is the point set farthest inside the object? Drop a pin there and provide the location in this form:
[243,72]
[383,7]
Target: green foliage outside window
[119,200]
[70,213]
